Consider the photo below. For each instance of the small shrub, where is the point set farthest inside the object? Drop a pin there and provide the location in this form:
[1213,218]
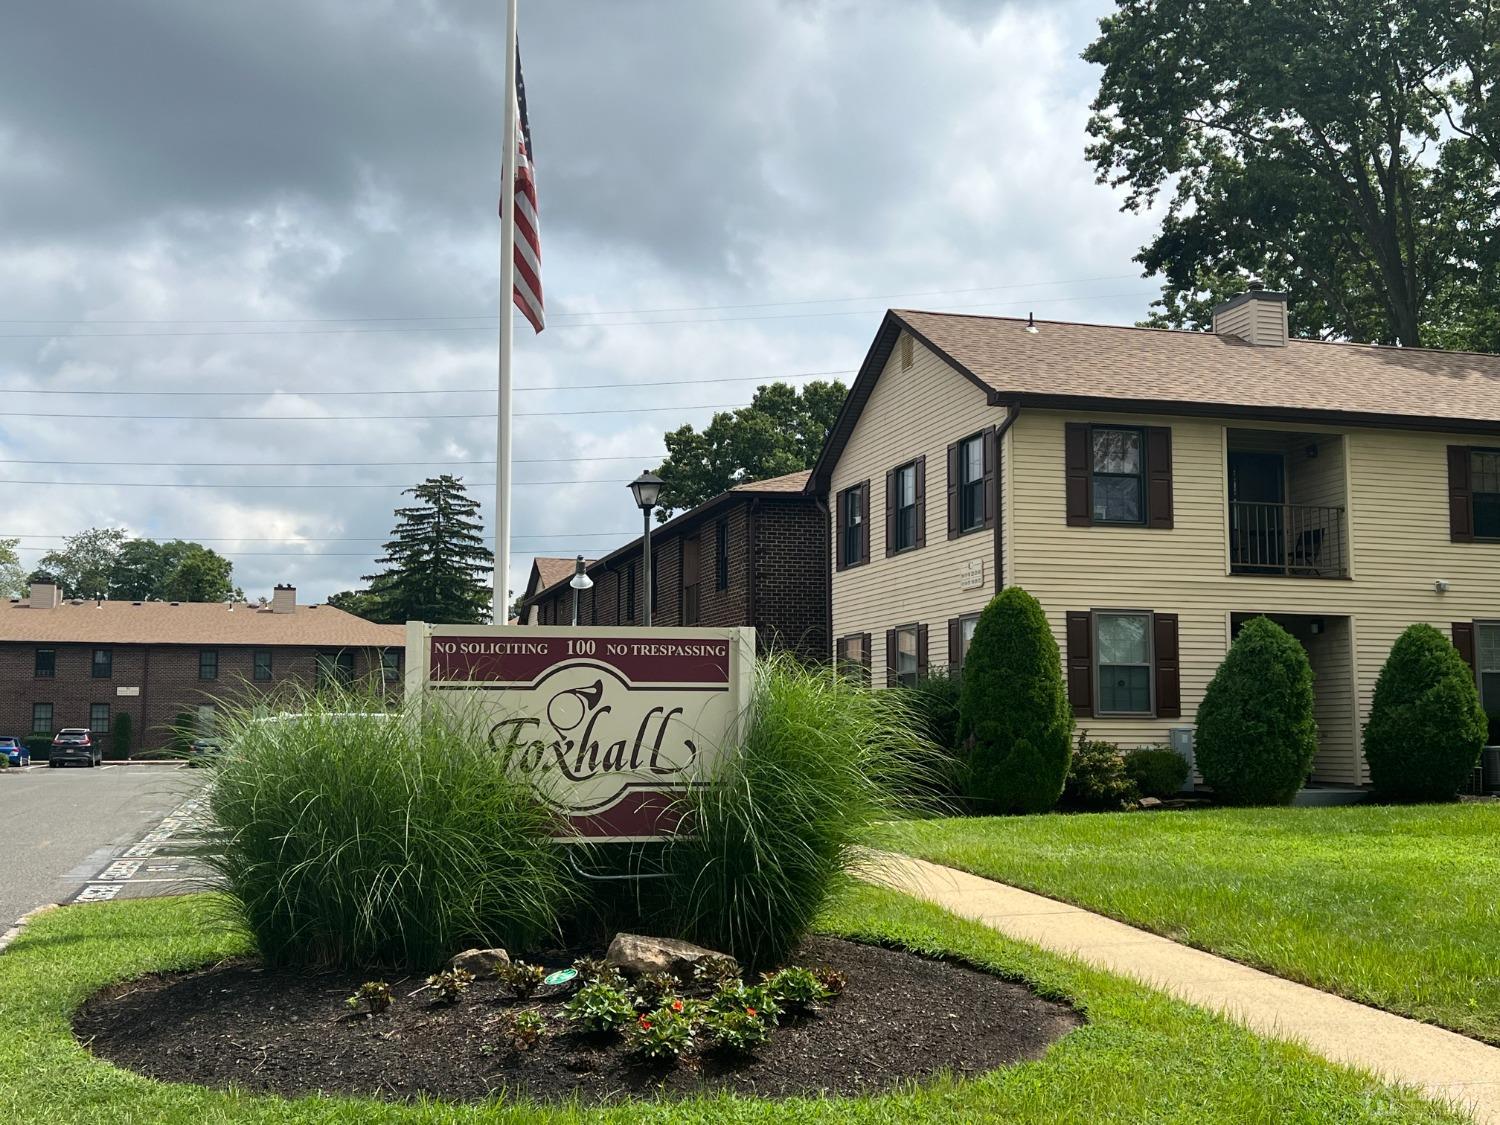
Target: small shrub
[520,978]
[737,996]
[797,990]
[347,837]
[934,701]
[652,988]
[451,984]
[1256,734]
[1158,771]
[833,981]
[524,1030]
[1097,778]
[1013,709]
[714,972]
[739,1031]
[596,970]
[820,773]
[1426,726]
[599,1007]
[667,1033]
[374,996]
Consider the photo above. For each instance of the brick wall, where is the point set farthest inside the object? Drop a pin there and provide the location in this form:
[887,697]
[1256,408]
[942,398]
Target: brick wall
[167,676]
[790,599]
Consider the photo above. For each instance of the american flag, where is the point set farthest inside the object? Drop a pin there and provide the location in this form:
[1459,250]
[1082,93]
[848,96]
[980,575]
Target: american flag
[528,292]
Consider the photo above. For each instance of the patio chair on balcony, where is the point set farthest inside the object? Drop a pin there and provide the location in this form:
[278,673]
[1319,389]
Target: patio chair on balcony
[1307,552]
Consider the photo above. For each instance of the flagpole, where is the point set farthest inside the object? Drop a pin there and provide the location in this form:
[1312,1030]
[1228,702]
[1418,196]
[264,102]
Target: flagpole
[507,333]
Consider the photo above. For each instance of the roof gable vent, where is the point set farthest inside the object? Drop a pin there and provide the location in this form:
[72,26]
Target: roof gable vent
[1257,317]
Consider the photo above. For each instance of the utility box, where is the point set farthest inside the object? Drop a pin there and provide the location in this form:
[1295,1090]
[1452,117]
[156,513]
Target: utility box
[1181,740]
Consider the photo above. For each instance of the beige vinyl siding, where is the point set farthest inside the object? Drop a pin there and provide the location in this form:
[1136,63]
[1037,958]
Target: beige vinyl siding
[911,412]
[1396,527]
[1331,654]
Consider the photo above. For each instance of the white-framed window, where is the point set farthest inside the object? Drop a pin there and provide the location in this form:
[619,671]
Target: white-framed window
[1122,662]
[965,638]
[904,536]
[1119,475]
[1487,661]
[907,663]
[971,483]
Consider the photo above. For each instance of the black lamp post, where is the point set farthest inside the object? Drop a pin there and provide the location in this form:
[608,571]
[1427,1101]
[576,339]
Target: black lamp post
[580,583]
[646,488]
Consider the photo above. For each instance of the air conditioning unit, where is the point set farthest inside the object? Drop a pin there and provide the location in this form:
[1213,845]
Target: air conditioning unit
[1489,763]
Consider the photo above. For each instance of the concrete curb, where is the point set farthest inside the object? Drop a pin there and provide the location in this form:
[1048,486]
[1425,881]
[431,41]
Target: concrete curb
[14,932]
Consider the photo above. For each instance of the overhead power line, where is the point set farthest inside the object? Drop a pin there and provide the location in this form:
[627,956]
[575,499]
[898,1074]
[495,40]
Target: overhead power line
[314,538]
[419,390]
[340,464]
[261,484]
[590,312]
[365,417]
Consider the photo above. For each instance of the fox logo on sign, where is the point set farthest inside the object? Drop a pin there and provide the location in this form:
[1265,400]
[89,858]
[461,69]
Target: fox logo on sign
[609,725]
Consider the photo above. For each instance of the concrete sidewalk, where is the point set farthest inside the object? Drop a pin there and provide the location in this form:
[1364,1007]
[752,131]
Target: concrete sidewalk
[1443,1064]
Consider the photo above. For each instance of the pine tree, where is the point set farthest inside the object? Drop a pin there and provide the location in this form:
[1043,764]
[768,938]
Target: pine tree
[436,560]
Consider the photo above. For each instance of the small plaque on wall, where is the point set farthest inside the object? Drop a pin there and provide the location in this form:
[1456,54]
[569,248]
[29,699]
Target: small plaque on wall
[127,691]
[973,575]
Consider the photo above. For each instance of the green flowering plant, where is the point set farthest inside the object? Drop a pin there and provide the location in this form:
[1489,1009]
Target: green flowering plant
[599,1007]
[666,1033]
[451,984]
[755,999]
[833,981]
[520,978]
[797,990]
[716,970]
[525,1029]
[652,989]
[593,969]
[373,995]
[738,1030]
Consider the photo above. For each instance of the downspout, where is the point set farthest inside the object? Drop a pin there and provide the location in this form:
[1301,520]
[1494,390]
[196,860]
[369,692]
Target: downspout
[823,510]
[753,549]
[1000,431]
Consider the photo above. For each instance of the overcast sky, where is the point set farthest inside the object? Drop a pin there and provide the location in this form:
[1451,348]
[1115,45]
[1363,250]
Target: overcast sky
[298,196]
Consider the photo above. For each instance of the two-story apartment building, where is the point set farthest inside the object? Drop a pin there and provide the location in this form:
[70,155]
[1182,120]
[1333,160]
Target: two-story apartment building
[755,555]
[1153,489]
[85,663]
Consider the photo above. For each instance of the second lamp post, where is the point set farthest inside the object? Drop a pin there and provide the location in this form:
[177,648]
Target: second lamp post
[646,489]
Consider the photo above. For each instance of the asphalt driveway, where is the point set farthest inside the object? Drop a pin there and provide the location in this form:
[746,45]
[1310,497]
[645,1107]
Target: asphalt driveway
[77,834]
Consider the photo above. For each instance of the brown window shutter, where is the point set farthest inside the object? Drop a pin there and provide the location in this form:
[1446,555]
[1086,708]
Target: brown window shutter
[840,515]
[864,521]
[921,475]
[1463,640]
[890,513]
[864,652]
[1460,496]
[921,652]
[953,490]
[1168,678]
[1158,476]
[1081,662]
[991,477]
[955,645]
[1079,463]
[890,658]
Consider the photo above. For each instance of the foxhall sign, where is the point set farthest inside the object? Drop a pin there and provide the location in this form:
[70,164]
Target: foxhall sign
[610,725]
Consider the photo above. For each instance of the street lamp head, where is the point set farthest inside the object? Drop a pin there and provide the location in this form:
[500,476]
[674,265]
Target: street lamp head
[647,489]
[581,581]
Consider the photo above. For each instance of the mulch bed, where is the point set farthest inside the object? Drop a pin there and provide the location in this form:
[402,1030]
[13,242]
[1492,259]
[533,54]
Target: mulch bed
[901,1017]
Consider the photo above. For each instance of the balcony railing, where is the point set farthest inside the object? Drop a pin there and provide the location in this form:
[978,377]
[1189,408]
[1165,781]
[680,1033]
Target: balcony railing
[1299,540]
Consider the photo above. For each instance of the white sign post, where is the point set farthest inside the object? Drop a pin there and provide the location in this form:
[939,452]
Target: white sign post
[610,725]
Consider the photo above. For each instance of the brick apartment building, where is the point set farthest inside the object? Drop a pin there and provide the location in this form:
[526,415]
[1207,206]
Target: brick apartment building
[85,663]
[755,555]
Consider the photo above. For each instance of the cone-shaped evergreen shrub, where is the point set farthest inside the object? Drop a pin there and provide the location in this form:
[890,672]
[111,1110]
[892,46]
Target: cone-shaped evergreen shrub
[1013,709]
[1426,725]
[1256,732]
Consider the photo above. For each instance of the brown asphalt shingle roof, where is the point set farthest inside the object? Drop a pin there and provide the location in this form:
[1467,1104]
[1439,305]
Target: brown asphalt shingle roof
[791,482]
[193,623]
[551,570]
[1146,364]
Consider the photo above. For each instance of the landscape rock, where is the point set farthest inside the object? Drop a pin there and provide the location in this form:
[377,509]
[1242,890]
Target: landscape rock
[480,962]
[1150,802]
[635,955]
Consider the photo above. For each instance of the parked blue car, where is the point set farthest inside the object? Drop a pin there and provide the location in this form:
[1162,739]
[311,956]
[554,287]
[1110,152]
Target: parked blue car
[15,751]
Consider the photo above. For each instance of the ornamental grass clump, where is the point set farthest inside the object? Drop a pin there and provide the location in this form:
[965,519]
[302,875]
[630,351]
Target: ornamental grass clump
[346,836]
[1256,734]
[1014,715]
[824,763]
[1426,725]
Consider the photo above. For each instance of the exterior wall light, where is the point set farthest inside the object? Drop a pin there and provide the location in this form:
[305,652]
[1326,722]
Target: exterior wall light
[580,582]
[646,489]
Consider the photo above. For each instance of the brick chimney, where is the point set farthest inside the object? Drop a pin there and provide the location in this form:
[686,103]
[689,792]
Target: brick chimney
[45,595]
[284,599]
[1256,316]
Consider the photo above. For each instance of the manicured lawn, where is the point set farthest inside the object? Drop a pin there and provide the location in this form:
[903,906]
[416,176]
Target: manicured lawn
[1142,1057]
[1395,907]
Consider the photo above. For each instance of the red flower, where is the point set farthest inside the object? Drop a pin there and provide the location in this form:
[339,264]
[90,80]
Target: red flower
[749,1011]
[645,1024]
[676,1005]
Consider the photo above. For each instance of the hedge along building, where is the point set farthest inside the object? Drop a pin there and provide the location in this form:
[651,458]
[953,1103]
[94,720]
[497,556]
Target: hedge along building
[86,663]
[1154,489]
[756,555]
